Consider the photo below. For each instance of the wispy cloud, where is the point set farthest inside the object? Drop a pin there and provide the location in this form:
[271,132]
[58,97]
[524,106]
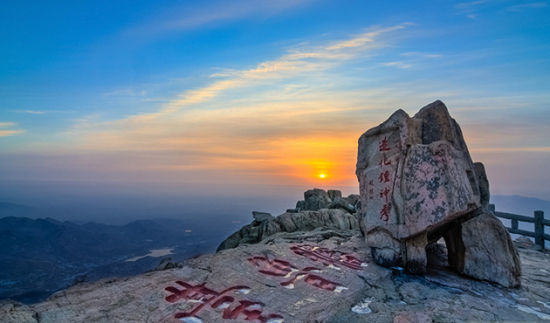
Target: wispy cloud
[259,108]
[297,61]
[470,5]
[125,92]
[9,132]
[422,55]
[398,64]
[188,17]
[32,111]
[6,133]
[470,9]
[526,6]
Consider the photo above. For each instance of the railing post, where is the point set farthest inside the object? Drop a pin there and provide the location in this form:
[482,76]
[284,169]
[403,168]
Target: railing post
[514,224]
[539,228]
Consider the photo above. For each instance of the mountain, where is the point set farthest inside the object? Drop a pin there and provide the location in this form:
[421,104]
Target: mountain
[13,209]
[520,204]
[41,256]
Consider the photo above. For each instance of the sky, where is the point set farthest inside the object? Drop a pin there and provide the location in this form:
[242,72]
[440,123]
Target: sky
[259,98]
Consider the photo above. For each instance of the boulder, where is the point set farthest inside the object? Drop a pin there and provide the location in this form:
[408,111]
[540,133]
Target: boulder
[489,253]
[333,194]
[341,203]
[354,199]
[316,199]
[261,216]
[418,183]
[524,242]
[167,263]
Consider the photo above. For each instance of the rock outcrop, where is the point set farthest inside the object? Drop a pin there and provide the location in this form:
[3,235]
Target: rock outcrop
[320,209]
[336,219]
[417,184]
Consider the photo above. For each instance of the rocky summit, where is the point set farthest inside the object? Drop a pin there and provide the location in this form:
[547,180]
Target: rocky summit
[417,245]
[418,184]
[297,277]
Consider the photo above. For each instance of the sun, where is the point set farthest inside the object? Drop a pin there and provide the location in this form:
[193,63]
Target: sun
[322,176]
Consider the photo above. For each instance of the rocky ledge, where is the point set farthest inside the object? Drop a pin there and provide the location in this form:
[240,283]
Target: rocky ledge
[290,278]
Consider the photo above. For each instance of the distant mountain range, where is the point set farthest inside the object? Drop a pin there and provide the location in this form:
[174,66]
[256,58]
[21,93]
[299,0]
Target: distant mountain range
[41,256]
[520,204]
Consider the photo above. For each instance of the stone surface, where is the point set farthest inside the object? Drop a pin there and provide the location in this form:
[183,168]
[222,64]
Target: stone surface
[261,216]
[333,194]
[316,199]
[489,253]
[524,242]
[483,181]
[341,203]
[355,200]
[165,263]
[417,184]
[436,254]
[359,284]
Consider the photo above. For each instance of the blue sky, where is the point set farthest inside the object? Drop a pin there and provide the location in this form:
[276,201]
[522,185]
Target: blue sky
[274,92]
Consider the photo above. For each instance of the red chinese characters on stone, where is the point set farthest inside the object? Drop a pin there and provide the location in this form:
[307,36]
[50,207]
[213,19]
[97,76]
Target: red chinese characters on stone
[385,212]
[327,256]
[383,145]
[385,194]
[246,310]
[281,268]
[384,177]
[384,161]
[273,267]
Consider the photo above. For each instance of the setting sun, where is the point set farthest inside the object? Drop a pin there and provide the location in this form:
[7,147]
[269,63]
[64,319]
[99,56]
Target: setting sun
[322,176]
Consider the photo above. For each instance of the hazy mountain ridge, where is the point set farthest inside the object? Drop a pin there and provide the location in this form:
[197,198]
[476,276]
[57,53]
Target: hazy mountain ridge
[520,204]
[40,256]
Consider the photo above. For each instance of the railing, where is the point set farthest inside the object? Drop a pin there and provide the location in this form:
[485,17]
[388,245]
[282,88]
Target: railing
[538,220]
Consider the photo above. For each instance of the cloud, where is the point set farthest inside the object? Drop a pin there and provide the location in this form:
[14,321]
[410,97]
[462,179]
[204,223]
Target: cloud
[287,119]
[6,133]
[526,6]
[249,121]
[295,62]
[9,132]
[398,64]
[125,92]
[470,9]
[188,17]
[31,111]
[470,4]
[421,55]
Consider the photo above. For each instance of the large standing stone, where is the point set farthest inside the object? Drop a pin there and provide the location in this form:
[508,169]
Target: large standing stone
[489,252]
[417,183]
[415,174]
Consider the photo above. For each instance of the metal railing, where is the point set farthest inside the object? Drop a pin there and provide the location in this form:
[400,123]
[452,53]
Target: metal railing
[538,220]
